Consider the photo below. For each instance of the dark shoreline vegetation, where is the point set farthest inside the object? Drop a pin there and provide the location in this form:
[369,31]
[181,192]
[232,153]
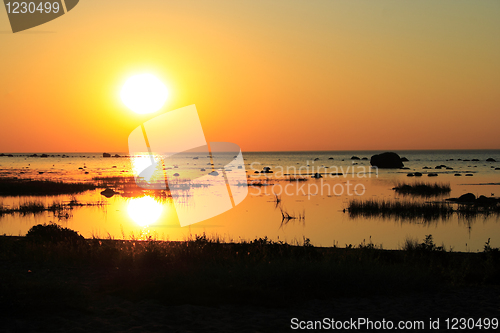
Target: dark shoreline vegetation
[60,209]
[422,189]
[415,210]
[31,187]
[55,268]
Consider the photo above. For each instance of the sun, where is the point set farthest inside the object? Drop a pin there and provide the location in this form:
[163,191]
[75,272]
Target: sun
[144,211]
[144,93]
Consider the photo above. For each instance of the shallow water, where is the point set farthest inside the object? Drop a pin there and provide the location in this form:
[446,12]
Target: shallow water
[321,200]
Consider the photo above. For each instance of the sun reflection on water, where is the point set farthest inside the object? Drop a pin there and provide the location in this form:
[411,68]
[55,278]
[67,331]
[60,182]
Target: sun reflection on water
[144,211]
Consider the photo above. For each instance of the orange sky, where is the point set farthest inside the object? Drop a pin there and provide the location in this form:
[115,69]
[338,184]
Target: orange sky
[267,75]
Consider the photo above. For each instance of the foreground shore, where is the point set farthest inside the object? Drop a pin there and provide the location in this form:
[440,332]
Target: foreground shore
[54,280]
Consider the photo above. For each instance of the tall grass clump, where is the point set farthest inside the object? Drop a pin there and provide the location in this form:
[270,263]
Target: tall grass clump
[422,189]
[27,187]
[399,209]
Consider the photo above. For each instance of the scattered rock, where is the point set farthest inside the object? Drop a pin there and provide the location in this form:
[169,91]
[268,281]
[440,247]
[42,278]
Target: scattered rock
[204,170]
[116,155]
[475,160]
[266,170]
[330,158]
[410,175]
[215,173]
[432,174]
[355,158]
[104,155]
[469,174]
[365,158]
[490,160]
[387,160]
[44,155]
[317,175]
[176,174]
[458,175]
[418,174]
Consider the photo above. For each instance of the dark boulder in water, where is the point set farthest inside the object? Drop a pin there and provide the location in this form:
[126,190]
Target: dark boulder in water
[317,175]
[467,197]
[365,158]
[386,160]
[418,174]
[432,174]
[106,155]
[475,160]
[355,158]
[410,175]
[214,173]
[457,175]
[490,160]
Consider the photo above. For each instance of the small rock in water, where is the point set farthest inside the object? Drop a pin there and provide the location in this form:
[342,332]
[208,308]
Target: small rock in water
[457,175]
[432,175]
[108,193]
[410,175]
[418,174]
[176,174]
[215,173]
[490,160]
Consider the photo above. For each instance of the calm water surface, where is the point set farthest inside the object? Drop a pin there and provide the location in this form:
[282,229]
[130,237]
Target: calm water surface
[322,201]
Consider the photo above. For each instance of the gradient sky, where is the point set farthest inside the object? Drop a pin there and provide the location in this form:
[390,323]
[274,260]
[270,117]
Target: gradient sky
[267,75]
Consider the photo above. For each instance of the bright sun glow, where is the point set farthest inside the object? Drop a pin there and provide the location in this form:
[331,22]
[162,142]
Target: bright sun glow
[144,93]
[144,211]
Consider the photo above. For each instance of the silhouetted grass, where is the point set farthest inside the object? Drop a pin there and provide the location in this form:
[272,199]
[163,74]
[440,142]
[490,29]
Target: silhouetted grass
[29,187]
[423,189]
[37,207]
[399,209]
[206,271]
[413,210]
